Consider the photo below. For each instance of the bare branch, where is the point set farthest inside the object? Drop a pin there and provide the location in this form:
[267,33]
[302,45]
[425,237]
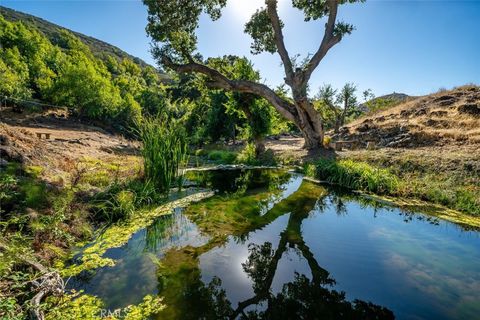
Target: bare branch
[282,50]
[329,40]
[220,81]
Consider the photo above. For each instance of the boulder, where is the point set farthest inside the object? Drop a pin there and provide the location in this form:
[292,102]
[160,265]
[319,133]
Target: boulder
[471,109]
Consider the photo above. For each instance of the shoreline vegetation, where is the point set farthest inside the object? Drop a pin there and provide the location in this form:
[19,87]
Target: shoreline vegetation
[361,176]
[96,145]
[61,217]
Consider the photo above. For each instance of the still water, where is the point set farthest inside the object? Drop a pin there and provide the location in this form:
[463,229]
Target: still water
[270,245]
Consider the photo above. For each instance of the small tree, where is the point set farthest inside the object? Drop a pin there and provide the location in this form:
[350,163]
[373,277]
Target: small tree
[173,23]
[346,97]
[342,103]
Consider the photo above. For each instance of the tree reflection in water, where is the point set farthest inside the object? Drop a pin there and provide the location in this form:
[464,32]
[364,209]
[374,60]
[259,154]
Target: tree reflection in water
[302,298]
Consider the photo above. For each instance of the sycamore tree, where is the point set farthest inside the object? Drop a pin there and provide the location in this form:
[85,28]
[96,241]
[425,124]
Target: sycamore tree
[172,25]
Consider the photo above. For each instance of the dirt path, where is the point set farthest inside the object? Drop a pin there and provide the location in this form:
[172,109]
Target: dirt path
[69,142]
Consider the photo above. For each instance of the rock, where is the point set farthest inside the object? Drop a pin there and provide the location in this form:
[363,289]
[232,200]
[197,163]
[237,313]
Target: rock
[438,113]
[4,140]
[344,130]
[405,113]
[420,112]
[9,154]
[363,128]
[371,145]
[447,102]
[3,163]
[471,109]
[443,98]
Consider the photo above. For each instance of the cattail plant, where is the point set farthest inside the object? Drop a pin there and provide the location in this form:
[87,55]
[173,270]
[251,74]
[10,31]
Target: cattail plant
[164,151]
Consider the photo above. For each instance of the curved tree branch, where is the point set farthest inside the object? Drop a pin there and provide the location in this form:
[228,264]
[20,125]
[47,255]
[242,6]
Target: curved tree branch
[282,50]
[328,41]
[220,81]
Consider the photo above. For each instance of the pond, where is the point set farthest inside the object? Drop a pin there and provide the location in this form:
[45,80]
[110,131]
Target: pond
[272,245]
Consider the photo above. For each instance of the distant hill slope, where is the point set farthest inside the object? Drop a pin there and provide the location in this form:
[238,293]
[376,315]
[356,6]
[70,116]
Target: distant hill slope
[52,31]
[384,102]
[447,117]
[394,96]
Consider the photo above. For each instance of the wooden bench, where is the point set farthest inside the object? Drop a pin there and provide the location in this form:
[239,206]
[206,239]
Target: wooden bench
[40,134]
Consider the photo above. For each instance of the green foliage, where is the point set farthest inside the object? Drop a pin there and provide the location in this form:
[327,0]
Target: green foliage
[248,155]
[337,106]
[120,200]
[20,189]
[355,175]
[59,68]
[467,201]
[164,151]
[262,33]
[379,104]
[222,156]
[216,115]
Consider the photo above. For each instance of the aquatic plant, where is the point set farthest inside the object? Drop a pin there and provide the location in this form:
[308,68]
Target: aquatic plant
[119,233]
[164,151]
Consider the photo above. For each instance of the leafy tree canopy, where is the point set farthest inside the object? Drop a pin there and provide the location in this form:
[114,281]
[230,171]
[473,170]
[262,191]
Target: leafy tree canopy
[173,24]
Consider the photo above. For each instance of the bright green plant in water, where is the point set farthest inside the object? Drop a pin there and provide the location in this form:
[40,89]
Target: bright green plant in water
[164,151]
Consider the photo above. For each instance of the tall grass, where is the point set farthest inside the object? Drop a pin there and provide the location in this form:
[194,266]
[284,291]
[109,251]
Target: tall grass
[355,175]
[164,151]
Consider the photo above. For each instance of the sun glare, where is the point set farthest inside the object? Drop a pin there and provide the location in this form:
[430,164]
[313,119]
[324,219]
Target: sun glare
[243,9]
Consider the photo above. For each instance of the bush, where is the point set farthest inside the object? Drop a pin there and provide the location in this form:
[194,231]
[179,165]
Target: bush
[164,151]
[222,156]
[326,141]
[355,175]
[248,155]
[119,201]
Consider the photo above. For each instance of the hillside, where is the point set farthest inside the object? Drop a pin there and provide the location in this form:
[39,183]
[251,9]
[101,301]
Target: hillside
[395,96]
[440,119]
[53,32]
[44,66]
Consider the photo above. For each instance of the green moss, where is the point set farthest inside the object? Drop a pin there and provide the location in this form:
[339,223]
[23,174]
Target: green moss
[34,171]
[118,234]
[235,215]
[76,305]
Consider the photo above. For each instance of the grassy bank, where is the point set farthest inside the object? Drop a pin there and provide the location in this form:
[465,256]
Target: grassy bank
[44,216]
[457,190]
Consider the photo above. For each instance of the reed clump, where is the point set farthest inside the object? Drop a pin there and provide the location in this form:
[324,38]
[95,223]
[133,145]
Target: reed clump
[164,151]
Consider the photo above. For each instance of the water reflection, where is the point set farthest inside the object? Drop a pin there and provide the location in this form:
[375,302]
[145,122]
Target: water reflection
[270,246]
[238,182]
[302,298]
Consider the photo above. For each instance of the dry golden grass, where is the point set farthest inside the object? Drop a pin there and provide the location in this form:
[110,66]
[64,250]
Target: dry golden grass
[438,116]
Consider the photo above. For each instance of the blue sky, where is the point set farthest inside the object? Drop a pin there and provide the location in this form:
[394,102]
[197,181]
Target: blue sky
[415,47]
